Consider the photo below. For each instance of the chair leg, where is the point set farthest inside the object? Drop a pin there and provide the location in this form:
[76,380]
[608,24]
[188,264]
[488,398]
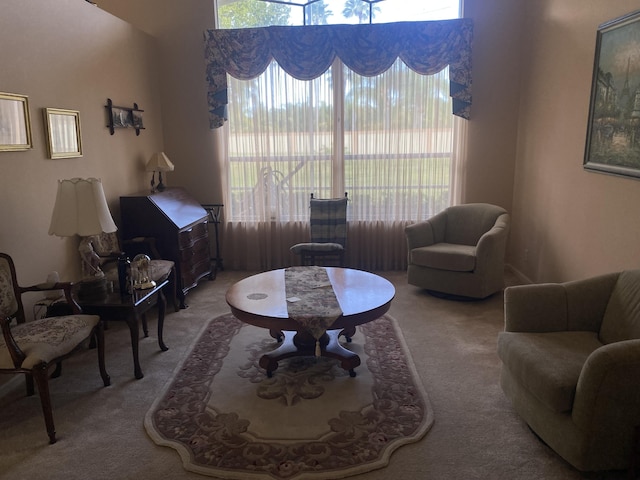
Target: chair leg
[172,293]
[58,371]
[29,384]
[635,454]
[41,376]
[99,336]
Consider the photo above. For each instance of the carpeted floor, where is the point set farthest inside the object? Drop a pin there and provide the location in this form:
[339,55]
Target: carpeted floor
[476,434]
[310,420]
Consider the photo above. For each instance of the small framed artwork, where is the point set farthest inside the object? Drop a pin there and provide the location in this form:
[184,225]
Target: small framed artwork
[64,139]
[124,117]
[613,132]
[15,123]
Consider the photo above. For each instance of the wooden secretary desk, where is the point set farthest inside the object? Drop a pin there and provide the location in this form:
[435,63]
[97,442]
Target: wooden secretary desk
[179,225]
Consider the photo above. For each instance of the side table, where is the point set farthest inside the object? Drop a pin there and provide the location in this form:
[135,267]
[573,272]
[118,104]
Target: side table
[132,309]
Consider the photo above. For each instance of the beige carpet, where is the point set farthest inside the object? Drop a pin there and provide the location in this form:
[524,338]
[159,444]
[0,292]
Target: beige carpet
[101,434]
[311,420]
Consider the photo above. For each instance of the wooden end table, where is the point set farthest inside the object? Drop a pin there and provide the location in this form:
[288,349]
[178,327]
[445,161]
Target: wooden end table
[132,309]
[260,300]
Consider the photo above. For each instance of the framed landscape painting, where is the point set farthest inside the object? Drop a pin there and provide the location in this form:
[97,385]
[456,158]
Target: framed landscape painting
[613,135]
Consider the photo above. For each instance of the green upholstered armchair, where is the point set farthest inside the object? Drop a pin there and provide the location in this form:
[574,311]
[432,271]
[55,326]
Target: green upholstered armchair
[571,366]
[460,251]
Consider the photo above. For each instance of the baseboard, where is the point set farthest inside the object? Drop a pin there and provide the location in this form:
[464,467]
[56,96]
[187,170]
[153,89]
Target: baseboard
[522,278]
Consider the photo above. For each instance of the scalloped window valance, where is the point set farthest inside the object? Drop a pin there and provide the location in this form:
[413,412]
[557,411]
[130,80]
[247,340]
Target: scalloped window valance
[306,52]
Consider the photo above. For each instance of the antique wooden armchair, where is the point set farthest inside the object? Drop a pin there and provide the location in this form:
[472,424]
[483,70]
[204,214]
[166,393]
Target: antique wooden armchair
[32,348]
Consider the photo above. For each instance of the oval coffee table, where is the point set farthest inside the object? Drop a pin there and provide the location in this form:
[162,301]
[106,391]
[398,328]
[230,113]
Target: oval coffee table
[260,300]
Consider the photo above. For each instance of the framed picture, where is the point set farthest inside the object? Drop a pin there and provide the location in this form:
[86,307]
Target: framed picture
[63,133]
[124,117]
[15,124]
[613,132]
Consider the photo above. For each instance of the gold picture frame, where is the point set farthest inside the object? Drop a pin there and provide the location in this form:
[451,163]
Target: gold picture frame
[613,134]
[64,139]
[15,123]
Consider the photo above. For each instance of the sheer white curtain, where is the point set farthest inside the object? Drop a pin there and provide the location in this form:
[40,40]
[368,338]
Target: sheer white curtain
[389,141]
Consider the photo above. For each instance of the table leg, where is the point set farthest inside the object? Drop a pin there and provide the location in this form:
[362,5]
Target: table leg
[145,328]
[132,321]
[277,334]
[162,306]
[348,333]
[299,343]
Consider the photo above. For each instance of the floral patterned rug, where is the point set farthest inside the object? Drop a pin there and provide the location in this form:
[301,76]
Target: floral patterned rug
[311,420]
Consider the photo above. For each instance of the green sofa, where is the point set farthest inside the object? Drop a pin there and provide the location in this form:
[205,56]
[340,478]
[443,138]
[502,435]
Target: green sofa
[571,366]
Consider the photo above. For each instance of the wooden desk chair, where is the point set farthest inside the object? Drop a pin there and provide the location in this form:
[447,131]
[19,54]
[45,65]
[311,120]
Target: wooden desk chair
[328,225]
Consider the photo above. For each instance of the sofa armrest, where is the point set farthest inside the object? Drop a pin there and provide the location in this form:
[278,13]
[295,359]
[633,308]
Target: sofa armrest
[608,393]
[419,235]
[535,308]
[426,233]
[491,247]
[587,301]
[553,307]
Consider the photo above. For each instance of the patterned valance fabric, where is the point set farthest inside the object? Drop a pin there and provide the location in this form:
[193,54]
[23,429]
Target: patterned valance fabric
[306,52]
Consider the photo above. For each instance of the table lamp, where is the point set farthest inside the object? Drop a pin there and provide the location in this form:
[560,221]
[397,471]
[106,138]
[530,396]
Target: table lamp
[81,209]
[158,162]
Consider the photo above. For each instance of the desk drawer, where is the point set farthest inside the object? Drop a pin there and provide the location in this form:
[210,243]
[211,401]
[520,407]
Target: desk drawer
[190,276]
[189,237]
[198,251]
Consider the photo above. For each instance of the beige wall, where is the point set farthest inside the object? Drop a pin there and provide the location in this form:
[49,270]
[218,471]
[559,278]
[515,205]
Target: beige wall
[492,129]
[178,27]
[568,223]
[70,54]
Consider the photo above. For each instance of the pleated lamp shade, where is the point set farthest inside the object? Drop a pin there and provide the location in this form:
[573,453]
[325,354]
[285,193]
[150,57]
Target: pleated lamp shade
[81,209]
[159,162]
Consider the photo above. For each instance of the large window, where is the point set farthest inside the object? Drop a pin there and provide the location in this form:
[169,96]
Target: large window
[388,140]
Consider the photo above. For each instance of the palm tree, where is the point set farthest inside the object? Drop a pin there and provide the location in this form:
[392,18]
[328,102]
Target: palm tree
[318,13]
[362,9]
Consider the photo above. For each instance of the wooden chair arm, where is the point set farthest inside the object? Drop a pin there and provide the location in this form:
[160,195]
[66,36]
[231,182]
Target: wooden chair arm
[66,287]
[146,245]
[17,355]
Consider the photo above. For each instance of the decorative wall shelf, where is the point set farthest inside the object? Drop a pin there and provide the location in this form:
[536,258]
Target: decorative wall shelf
[124,117]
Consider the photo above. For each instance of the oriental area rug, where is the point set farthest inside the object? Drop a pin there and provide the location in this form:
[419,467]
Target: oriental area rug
[311,420]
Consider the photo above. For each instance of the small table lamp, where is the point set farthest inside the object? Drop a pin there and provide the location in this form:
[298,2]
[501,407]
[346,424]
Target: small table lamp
[81,209]
[158,162]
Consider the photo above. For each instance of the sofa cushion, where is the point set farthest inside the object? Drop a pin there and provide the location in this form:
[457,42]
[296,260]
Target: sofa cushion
[621,319]
[445,256]
[298,248]
[547,365]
